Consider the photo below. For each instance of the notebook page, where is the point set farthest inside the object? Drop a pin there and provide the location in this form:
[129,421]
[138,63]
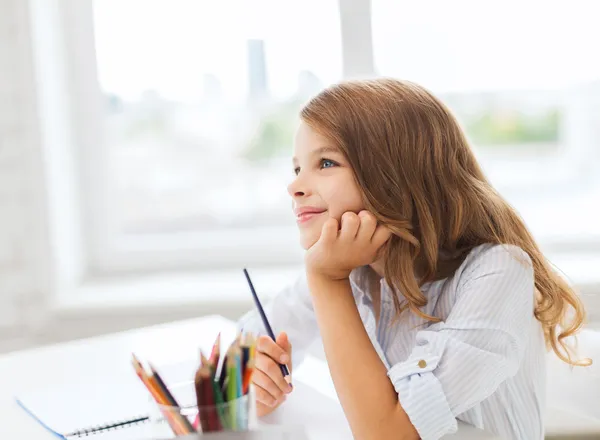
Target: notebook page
[84,405]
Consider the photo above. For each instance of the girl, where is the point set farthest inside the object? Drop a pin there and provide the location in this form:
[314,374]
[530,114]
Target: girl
[432,299]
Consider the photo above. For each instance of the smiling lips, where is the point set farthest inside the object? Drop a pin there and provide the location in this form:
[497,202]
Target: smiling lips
[307,213]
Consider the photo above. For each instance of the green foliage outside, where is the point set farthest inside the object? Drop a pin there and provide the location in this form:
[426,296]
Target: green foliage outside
[505,128]
[275,133]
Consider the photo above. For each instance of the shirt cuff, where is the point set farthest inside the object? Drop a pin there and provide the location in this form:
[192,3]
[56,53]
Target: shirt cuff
[421,395]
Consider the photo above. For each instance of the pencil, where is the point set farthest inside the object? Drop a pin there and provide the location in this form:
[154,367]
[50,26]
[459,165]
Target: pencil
[231,391]
[247,376]
[207,380]
[175,424]
[201,397]
[252,344]
[245,346]
[181,421]
[284,368]
[240,409]
[219,402]
[188,426]
[216,352]
[222,378]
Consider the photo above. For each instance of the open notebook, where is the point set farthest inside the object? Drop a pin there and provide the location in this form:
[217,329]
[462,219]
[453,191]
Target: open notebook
[82,409]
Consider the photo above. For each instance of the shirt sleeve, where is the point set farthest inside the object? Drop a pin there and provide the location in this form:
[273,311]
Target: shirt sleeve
[291,310]
[458,363]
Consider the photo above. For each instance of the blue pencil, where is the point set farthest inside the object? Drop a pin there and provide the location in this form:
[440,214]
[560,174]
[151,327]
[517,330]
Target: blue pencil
[284,368]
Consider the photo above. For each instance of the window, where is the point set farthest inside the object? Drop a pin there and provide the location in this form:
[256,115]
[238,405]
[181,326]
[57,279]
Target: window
[522,80]
[200,104]
[199,101]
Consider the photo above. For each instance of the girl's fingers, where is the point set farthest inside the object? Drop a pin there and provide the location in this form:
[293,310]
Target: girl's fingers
[266,383]
[284,342]
[368,225]
[349,226]
[381,235]
[330,231]
[270,368]
[264,397]
[270,348]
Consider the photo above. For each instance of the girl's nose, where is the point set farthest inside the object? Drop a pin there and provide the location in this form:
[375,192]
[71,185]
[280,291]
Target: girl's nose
[296,188]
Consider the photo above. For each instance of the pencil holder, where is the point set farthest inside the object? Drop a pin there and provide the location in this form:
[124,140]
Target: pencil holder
[172,421]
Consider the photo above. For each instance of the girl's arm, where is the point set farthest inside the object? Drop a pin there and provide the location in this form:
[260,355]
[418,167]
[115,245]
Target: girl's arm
[368,397]
[455,364]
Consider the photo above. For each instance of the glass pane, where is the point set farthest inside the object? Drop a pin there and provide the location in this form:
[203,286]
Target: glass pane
[201,105]
[524,81]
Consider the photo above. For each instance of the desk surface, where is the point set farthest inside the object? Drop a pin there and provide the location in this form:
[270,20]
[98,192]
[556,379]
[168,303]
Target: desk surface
[109,356]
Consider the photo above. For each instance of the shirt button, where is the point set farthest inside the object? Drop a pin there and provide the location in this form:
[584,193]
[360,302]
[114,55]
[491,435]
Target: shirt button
[422,363]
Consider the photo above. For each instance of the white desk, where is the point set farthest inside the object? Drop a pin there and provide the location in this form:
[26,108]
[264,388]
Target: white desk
[102,358]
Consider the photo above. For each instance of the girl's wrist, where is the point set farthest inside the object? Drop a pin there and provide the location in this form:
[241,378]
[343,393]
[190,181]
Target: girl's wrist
[325,277]
[320,282]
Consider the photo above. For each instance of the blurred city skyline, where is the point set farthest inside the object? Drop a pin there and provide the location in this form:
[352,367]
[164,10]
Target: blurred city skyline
[173,44]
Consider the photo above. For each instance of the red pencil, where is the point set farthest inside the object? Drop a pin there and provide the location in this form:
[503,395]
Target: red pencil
[209,397]
[200,398]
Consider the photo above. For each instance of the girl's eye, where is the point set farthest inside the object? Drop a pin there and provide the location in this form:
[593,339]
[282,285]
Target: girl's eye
[326,163]
[297,171]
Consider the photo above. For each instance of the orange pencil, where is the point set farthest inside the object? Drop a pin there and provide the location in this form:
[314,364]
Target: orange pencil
[248,375]
[171,399]
[176,425]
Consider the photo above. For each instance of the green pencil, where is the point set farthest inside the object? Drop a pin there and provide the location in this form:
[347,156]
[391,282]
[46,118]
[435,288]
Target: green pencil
[231,390]
[219,402]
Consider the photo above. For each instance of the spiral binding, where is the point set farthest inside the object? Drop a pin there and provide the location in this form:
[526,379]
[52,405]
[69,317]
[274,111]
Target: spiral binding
[102,428]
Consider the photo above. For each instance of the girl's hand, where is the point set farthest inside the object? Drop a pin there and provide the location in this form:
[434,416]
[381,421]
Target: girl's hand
[339,250]
[271,388]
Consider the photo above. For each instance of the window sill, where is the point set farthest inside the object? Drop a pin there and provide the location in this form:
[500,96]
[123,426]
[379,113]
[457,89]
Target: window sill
[174,290]
[228,288]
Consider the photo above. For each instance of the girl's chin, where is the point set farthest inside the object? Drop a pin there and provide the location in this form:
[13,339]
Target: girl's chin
[308,239]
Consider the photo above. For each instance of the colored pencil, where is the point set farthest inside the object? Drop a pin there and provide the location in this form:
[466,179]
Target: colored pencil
[219,391]
[240,410]
[214,423]
[231,390]
[215,353]
[245,347]
[172,410]
[201,397]
[247,376]
[171,399]
[284,368]
[175,424]
[219,402]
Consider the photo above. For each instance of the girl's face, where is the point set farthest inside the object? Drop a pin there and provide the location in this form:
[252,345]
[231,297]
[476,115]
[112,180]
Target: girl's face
[324,185]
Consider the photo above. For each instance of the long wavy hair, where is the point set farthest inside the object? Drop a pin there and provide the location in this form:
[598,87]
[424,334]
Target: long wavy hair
[420,177]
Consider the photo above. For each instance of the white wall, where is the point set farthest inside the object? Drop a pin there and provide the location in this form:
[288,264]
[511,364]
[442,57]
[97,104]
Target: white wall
[24,252]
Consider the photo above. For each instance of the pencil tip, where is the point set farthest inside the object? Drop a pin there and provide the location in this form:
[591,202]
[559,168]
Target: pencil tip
[203,358]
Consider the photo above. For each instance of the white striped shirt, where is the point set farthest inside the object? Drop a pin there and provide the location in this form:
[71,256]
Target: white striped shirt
[484,363]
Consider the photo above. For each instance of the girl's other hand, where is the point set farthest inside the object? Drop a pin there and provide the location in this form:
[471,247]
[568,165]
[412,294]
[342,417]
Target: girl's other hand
[271,388]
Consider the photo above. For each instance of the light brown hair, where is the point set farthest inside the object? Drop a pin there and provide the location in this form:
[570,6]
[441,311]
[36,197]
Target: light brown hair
[419,177]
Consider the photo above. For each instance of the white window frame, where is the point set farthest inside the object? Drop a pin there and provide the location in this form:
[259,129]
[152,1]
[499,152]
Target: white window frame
[199,250]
